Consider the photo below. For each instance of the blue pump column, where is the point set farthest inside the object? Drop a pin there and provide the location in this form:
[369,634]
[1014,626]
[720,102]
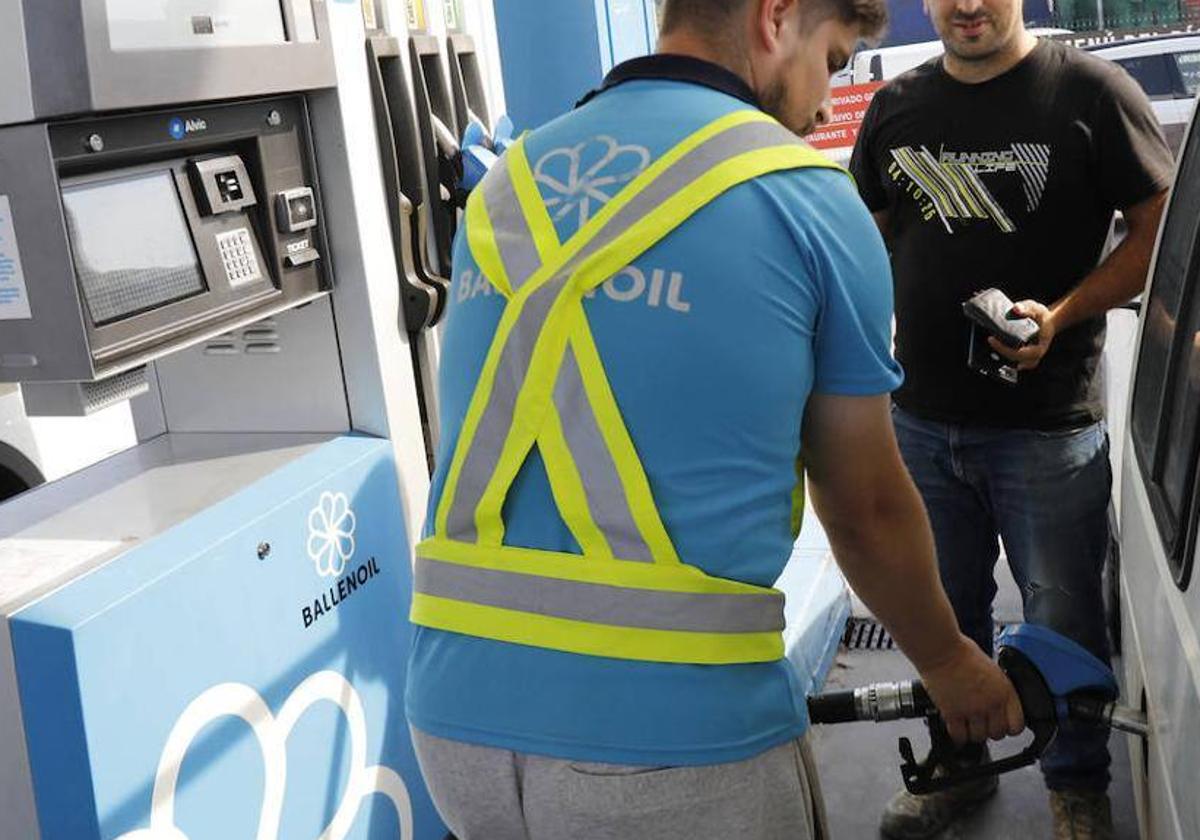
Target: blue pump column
[552,53]
[238,667]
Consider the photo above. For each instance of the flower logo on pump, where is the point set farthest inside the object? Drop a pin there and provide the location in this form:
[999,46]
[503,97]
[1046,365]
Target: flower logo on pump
[331,534]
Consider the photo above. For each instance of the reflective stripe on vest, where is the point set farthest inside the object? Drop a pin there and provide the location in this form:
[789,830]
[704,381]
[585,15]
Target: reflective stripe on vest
[543,384]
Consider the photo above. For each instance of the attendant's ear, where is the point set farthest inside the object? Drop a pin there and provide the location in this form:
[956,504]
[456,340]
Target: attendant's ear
[774,20]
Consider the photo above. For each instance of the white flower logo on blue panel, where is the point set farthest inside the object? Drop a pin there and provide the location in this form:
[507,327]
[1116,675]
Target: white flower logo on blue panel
[587,176]
[331,534]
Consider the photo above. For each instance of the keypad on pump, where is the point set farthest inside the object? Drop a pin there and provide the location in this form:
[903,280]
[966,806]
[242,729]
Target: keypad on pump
[237,254]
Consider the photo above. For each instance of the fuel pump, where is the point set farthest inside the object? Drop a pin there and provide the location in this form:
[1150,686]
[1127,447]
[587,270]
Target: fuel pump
[204,635]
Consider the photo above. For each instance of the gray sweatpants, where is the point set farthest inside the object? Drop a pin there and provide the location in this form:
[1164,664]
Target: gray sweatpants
[489,794]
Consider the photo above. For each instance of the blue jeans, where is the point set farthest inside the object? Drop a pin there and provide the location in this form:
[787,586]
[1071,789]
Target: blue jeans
[1045,495]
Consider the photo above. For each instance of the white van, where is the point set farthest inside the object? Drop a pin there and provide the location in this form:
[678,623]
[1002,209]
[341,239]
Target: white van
[19,461]
[1168,69]
[884,63]
[38,449]
[1159,511]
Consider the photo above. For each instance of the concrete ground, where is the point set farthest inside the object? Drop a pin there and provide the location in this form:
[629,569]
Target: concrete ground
[860,763]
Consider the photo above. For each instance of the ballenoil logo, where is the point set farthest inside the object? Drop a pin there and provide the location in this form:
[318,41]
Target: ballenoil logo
[331,545]
[657,288]
[180,128]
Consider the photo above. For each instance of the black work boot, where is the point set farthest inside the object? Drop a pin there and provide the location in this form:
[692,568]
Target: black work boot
[1081,815]
[912,817]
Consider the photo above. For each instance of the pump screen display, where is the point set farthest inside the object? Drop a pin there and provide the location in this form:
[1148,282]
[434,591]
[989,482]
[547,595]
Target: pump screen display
[131,245]
[188,24]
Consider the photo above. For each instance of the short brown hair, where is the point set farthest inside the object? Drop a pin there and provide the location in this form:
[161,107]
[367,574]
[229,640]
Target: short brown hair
[711,16]
[707,16]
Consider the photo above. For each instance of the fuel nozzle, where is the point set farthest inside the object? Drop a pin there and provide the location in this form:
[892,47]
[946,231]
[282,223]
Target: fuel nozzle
[1054,678]
[1100,711]
[877,702]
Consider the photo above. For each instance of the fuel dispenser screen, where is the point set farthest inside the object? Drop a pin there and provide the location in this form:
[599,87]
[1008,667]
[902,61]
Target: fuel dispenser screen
[131,245]
[188,24]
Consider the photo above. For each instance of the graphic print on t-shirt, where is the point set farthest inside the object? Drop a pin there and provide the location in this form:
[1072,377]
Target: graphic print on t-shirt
[952,186]
[586,176]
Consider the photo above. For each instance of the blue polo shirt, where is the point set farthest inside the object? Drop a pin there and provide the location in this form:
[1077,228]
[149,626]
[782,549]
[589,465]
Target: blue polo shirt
[712,341]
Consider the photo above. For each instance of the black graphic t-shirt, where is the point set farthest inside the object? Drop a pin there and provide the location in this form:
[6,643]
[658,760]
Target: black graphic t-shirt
[1011,183]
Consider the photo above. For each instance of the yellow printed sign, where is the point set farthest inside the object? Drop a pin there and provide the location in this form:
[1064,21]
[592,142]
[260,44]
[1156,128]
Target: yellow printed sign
[416,14]
[369,17]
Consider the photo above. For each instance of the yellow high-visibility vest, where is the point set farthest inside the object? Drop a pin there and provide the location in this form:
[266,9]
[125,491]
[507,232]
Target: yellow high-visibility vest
[628,595]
